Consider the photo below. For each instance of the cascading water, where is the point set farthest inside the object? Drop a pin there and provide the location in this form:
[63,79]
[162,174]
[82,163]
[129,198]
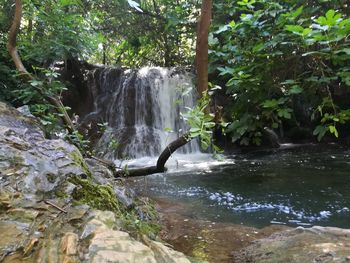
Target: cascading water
[140,107]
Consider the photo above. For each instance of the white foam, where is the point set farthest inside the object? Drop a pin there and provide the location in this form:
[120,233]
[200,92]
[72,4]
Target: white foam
[178,162]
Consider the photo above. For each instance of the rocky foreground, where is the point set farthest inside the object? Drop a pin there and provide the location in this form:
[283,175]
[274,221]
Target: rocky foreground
[48,200]
[51,202]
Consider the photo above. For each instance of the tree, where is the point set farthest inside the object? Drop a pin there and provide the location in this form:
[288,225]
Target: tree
[12,49]
[12,40]
[202,46]
[284,65]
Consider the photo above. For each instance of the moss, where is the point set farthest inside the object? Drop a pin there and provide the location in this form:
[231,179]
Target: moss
[148,224]
[97,196]
[60,193]
[79,160]
[139,221]
[142,220]
[137,227]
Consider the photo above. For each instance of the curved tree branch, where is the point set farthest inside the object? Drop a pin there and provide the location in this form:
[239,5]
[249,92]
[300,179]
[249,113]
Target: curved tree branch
[12,40]
[162,159]
[170,149]
[12,49]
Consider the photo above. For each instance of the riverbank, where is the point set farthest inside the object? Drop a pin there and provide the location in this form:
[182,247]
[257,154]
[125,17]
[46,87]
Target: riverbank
[232,243]
[203,239]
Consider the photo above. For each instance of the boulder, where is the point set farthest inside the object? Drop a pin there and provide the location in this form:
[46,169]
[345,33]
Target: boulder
[31,164]
[316,244]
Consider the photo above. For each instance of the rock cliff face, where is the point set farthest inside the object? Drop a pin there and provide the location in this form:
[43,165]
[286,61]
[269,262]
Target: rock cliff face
[40,221]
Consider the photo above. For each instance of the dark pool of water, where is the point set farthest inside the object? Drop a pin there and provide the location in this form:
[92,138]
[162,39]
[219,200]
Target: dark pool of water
[306,185]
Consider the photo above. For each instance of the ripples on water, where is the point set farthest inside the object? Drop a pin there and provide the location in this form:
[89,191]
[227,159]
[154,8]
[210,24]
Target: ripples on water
[306,185]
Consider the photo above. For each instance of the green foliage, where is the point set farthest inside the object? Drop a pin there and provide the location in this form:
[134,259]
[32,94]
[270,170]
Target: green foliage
[113,145]
[36,93]
[8,80]
[139,33]
[79,140]
[329,121]
[56,30]
[200,121]
[274,56]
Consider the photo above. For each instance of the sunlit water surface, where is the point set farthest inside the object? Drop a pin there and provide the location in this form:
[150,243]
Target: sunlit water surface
[305,185]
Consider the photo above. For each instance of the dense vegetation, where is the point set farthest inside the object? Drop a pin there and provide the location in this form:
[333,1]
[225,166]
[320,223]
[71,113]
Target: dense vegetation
[280,64]
[284,64]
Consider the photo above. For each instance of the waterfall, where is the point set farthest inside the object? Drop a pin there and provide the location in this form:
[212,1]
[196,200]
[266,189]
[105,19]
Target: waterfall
[139,108]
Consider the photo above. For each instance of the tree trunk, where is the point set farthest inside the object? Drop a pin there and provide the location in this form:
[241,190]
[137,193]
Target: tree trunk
[12,41]
[104,55]
[202,46]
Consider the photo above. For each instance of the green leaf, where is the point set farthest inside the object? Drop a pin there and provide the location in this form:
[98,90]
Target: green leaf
[289,82]
[222,29]
[297,12]
[258,47]
[330,14]
[204,145]
[284,113]
[270,103]
[195,130]
[36,83]
[313,53]
[306,31]
[330,19]
[64,3]
[274,125]
[212,40]
[333,130]
[225,70]
[246,2]
[296,29]
[295,89]
[320,131]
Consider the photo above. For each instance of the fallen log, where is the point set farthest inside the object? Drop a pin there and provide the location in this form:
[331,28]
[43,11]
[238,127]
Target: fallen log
[162,159]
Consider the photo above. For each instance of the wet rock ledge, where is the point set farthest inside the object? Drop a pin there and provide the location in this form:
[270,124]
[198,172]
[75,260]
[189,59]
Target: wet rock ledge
[50,199]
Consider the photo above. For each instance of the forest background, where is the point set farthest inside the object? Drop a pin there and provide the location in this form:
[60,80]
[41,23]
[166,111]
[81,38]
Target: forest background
[277,64]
